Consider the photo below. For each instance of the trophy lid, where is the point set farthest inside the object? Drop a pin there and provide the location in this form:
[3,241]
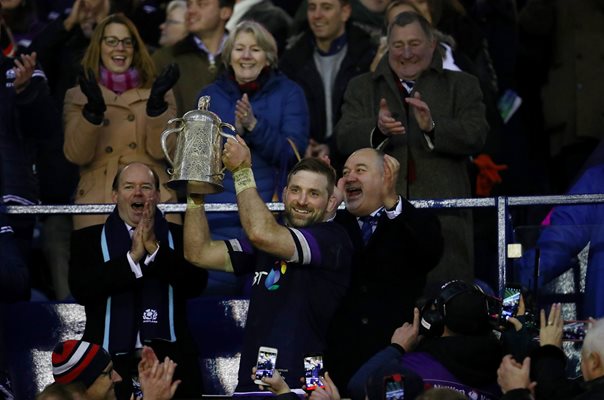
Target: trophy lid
[202,113]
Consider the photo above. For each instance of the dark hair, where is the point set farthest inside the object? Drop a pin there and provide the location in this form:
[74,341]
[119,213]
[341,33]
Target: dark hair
[226,3]
[318,166]
[116,179]
[407,18]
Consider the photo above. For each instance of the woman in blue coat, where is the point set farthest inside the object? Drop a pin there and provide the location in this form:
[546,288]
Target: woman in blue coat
[268,110]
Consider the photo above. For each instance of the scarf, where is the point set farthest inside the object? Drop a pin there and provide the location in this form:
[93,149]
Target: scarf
[254,86]
[148,308]
[119,83]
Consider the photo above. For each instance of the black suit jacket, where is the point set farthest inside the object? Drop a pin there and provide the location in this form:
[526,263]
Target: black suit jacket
[92,281]
[388,276]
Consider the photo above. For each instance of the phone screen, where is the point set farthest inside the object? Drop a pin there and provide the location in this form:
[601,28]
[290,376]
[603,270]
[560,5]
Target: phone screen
[267,359]
[574,331]
[394,387]
[313,367]
[510,303]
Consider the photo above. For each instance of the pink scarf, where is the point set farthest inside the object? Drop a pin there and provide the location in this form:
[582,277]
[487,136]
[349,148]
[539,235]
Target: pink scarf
[119,83]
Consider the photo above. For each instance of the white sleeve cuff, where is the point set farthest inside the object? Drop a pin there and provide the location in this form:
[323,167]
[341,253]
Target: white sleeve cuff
[397,211]
[429,141]
[135,267]
[151,257]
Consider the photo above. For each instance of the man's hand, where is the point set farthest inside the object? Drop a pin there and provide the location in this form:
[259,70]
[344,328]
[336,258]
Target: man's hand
[386,123]
[24,69]
[407,335]
[550,331]
[391,168]
[513,375]
[244,115]
[277,384]
[236,154]
[421,111]
[330,392]
[148,358]
[148,226]
[156,382]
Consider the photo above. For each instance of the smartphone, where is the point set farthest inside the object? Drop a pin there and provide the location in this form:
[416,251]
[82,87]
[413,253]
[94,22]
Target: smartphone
[574,331]
[267,359]
[394,387]
[313,368]
[509,304]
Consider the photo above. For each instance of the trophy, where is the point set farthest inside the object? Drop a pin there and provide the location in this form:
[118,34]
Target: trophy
[198,150]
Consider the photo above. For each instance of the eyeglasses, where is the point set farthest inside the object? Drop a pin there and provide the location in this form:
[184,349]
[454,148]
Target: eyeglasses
[112,41]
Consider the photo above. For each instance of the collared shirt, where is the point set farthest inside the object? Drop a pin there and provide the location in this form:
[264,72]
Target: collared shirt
[134,266]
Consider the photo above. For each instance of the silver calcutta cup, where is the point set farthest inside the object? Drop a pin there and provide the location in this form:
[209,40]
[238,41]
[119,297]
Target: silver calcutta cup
[197,158]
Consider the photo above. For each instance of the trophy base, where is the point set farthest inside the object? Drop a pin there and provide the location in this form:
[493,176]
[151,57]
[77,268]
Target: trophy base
[183,187]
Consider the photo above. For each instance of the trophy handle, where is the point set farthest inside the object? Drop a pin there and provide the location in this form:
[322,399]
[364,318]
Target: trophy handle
[164,138]
[227,135]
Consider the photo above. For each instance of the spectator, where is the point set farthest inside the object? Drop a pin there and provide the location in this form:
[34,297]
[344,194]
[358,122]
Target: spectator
[268,110]
[386,283]
[543,374]
[174,28]
[430,120]
[331,52]
[117,114]
[27,117]
[568,229]
[367,15]
[301,267]
[273,18]
[459,350]
[86,364]
[198,54]
[133,281]
[22,18]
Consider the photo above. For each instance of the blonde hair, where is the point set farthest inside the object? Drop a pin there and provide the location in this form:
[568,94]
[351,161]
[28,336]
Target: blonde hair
[263,37]
[141,59]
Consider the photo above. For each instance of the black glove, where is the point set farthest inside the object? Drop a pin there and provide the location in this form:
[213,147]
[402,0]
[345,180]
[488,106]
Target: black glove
[95,108]
[156,104]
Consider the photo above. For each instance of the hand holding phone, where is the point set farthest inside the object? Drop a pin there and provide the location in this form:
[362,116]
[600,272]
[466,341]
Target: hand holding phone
[265,366]
[509,304]
[313,369]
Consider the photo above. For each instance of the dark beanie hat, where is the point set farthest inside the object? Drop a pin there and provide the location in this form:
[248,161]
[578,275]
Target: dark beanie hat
[78,361]
[467,314]
[395,380]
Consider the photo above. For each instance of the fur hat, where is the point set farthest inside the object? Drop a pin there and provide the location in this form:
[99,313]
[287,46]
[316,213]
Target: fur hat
[78,361]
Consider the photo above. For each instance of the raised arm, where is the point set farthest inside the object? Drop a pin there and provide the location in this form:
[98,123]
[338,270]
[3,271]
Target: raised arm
[259,224]
[199,248]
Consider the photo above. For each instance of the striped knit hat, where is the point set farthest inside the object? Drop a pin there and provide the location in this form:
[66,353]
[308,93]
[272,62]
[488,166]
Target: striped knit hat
[78,361]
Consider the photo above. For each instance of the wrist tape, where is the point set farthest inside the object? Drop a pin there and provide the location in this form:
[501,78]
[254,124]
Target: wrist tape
[244,179]
[192,205]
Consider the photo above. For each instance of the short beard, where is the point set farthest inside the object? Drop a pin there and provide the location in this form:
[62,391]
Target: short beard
[290,222]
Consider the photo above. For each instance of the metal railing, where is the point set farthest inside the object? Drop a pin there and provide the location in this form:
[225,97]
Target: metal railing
[501,204]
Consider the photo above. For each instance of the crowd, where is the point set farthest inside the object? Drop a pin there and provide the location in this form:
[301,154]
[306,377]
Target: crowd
[365,103]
